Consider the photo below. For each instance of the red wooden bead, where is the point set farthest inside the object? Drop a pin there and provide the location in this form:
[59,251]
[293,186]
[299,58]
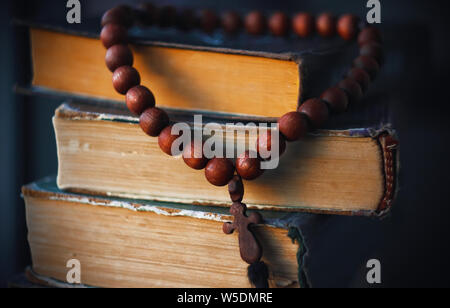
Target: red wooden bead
[347,26]
[336,98]
[326,25]
[193,156]
[236,189]
[219,171]
[167,16]
[166,140]
[231,22]
[255,23]
[316,111]
[153,121]
[248,166]
[373,50]
[124,78]
[279,24]
[303,24]
[352,88]
[361,77]
[113,34]
[187,20]
[209,21]
[264,144]
[117,56]
[121,15]
[293,126]
[139,98]
[369,64]
[369,35]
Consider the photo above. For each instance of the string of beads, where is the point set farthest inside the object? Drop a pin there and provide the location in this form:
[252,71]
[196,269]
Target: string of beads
[312,113]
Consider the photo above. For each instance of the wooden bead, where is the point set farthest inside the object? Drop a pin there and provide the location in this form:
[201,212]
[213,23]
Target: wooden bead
[264,144]
[187,20]
[303,24]
[167,16]
[236,189]
[139,98]
[369,35]
[369,64]
[117,56]
[293,126]
[209,21]
[326,25]
[352,88]
[121,15]
[166,140]
[279,24]
[373,50]
[316,111]
[361,77]
[153,121]
[113,34]
[336,98]
[219,171]
[248,166]
[255,23]
[193,156]
[231,22]
[347,26]
[124,78]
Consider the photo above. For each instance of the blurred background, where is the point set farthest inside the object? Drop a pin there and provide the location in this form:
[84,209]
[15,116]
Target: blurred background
[412,244]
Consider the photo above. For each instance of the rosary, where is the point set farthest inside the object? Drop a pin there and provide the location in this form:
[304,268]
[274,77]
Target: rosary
[293,126]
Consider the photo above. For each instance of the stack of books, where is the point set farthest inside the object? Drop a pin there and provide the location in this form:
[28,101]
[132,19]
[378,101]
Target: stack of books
[132,216]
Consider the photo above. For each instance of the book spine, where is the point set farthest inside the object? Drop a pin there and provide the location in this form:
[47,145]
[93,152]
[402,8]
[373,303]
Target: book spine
[390,151]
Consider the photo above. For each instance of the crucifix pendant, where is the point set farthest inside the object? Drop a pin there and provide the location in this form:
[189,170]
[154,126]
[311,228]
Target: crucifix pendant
[249,246]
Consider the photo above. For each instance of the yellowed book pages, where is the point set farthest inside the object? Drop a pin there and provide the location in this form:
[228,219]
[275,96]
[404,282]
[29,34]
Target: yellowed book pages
[330,172]
[179,78]
[123,243]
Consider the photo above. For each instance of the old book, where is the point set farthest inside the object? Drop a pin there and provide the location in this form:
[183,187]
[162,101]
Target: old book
[101,149]
[131,243]
[180,78]
[187,71]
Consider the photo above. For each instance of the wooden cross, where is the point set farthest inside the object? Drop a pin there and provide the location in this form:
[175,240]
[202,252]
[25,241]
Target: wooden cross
[250,249]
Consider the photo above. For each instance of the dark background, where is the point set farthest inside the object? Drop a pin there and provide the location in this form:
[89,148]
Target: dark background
[412,244]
